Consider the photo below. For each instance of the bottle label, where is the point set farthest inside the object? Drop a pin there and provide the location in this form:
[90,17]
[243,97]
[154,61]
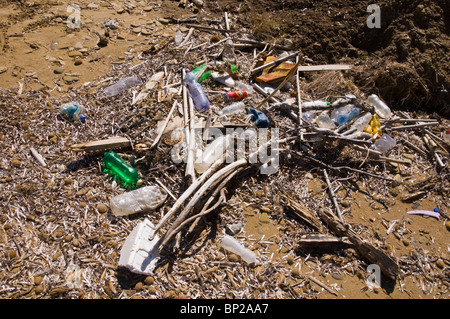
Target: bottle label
[237,95]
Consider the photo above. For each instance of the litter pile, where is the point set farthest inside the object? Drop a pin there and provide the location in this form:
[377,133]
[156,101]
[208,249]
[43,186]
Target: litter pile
[211,128]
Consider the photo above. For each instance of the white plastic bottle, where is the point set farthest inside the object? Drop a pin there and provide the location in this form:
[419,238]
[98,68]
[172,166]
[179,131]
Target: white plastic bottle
[74,111]
[231,244]
[233,108]
[212,153]
[228,52]
[138,200]
[380,107]
[315,103]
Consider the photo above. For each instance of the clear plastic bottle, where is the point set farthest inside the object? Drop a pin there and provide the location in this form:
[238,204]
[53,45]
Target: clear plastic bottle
[324,121]
[212,153]
[231,244]
[178,37]
[74,111]
[196,92]
[233,108]
[241,86]
[380,107]
[345,118]
[341,110]
[362,122]
[121,86]
[138,200]
[384,144]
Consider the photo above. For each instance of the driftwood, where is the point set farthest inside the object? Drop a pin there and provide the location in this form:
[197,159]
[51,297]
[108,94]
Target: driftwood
[112,143]
[374,255]
[302,212]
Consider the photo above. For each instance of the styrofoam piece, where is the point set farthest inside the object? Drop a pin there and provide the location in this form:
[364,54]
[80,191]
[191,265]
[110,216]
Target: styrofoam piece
[140,254]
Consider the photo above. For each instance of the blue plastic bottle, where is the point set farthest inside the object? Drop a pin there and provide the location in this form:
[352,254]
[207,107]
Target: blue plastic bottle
[344,118]
[259,119]
[196,92]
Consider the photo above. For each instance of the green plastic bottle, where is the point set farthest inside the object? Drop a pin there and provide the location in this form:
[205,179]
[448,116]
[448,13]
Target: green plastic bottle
[124,174]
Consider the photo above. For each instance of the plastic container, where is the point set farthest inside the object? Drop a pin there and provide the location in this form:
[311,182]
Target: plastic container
[380,107]
[324,121]
[259,119]
[235,96]
[384,144]
[196,92]
[233,108]
[124,174]
[345,118]
[121,86]
[315,103]
[138,200]
[362,122]
[73,111]
[231,244]
[212,153]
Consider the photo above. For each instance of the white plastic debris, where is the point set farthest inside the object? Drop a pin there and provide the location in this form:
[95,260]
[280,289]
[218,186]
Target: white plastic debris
[139,254]
[137,200]
[231,244]
[73,276]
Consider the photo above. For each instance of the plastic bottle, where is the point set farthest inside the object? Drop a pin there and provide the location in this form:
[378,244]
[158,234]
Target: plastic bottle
[231,244]
[324,121]
[259,119]
[241,86]
[362,122]
[233,108]
[235,96]
[340,111]
[138,200]
[123,173]
[345,118]
[196,92]
[121,86]
[384,144]
[212,153]
[228,52]
[315,103]
[74,111]
[375,124]
[380,107]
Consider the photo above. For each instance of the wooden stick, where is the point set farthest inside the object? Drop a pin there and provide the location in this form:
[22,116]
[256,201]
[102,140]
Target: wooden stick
[161,131]
[317,282]
[190,170]
[187,193]
[207,28]
[277,61]
[38,157]
[407,127]
[333,196]
[200,192]
[374,255]
[299,101]
[112,143]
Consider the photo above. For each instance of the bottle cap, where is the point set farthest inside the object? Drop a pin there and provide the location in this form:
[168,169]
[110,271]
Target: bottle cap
[83,118]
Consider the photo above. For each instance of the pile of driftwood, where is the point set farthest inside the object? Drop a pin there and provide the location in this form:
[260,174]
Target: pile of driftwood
[299,139]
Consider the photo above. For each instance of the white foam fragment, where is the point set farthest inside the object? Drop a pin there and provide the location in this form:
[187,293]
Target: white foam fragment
[140,254]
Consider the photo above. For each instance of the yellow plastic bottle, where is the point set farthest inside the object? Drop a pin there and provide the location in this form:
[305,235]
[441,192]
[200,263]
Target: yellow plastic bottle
[375,124]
